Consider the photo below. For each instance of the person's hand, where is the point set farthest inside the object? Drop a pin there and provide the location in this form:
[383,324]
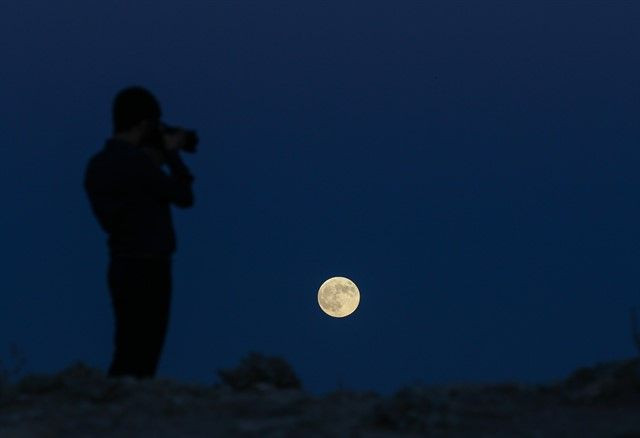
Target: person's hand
[156,155]
[175,140]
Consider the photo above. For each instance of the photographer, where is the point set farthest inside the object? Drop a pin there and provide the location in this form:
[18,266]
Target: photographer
[130,195]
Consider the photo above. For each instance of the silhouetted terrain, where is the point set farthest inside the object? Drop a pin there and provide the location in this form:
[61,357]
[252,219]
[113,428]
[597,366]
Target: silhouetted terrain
[263,398]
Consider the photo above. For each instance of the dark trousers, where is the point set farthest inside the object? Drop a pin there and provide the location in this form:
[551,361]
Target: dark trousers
[140,291]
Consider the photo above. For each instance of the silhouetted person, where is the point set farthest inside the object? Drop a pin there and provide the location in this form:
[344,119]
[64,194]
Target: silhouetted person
[130,195]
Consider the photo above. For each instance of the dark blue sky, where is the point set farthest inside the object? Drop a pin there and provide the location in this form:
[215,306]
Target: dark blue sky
[472,166]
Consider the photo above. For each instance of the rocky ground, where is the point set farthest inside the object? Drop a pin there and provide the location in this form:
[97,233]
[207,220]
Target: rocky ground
[599,401]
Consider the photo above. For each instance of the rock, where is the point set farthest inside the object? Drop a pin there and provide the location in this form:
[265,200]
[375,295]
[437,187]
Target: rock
[412,409]
[608,382]
[259,373]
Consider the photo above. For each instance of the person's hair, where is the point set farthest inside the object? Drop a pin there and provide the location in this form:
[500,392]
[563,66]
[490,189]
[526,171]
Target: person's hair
[131,106]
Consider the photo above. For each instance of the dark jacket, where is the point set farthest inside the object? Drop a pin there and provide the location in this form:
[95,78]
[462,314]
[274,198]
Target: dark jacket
[130,196]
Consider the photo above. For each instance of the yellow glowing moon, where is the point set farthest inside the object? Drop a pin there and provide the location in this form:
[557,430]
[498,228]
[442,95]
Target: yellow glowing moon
[338,297]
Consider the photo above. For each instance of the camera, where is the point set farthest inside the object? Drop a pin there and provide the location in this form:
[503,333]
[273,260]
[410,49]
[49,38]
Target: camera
[191,137]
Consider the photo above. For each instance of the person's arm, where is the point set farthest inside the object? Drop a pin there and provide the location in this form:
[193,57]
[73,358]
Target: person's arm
[183,196]
[175,187]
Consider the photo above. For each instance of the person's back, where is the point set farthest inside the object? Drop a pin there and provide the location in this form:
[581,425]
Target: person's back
[130,195]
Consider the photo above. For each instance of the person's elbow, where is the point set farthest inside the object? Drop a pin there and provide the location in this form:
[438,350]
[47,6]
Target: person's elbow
[184,201]
[183,194]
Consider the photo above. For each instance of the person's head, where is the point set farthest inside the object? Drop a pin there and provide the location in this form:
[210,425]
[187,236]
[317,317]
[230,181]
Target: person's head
[136,114]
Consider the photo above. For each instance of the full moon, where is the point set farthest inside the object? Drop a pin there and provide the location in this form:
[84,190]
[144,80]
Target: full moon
[338,297]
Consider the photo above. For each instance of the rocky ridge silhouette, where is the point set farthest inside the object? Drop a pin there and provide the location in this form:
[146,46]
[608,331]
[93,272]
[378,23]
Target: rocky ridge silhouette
[262,397]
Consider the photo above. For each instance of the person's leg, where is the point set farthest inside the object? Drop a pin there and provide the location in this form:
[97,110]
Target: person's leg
[141,294]
[156,317]
[121,276]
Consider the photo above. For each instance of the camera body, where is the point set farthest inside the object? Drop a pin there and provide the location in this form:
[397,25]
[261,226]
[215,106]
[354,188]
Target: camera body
[190,135]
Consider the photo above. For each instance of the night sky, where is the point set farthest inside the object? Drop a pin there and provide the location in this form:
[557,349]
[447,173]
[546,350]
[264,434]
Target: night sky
[471,166]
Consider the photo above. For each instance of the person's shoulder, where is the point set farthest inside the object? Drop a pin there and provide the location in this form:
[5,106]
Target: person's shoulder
[99,157]
[108,156]
[115,162]
[115,151]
